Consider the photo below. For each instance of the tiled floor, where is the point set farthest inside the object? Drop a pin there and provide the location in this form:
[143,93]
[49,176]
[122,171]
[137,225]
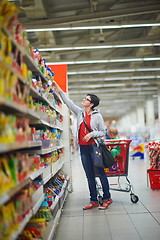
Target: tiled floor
[123,220]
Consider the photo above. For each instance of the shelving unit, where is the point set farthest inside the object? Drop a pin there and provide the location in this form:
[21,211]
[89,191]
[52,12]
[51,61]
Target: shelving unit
[34,147]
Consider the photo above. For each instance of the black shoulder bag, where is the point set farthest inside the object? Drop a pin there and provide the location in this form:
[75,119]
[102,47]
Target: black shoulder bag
[102,156]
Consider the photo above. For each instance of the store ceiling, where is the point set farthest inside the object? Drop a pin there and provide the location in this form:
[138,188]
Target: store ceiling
[125,68]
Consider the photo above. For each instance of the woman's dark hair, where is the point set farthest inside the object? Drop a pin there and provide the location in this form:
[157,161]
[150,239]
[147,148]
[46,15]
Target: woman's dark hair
[94,99]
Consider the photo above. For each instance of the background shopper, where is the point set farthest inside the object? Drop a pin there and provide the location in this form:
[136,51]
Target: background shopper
[113,134]
[108,124]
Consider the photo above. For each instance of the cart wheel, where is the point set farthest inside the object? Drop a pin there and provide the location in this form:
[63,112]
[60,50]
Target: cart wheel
[134,198]
[100,200]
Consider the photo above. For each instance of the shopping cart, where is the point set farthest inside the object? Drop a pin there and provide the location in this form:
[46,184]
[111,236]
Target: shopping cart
[119,169]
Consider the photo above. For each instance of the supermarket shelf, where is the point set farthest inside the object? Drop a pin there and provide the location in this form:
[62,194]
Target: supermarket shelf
[57,166]
[60,128]
[49,103]
[32,66]
[13,70]
[15,108]
[59,124]
[21,110]
[38,204]
[35,174]
[11,192]
[60,146]
[16,189]
[4,198]
[37,198]
[47,174]
[19,145]
[63,187]
[31,114]
[28,216]
[36,118]
[46,150]
[51,170]
[54,168]
[38,201]
[40,122]
[60,165]
[58,109]
[40,96]
[44,119]
[57,96]
[43,122]
[44,97]
[50,230]
[28,60]
[36,93]
[19,47]
[48,124]
[56,200]
[21,226]
[9,104]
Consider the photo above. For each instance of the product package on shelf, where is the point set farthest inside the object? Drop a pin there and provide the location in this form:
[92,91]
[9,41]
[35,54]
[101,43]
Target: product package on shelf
[14,169]
[15,129]
[14,212]
[153,151]
[50,137]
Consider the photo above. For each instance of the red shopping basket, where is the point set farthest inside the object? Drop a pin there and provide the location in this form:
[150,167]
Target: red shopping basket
[154,177]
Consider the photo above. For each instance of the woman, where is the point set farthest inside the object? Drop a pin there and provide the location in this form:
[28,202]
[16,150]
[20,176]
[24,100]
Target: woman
[86,139]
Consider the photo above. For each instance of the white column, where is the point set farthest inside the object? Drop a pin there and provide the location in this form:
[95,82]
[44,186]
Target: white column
[125,122]
[122,121]
[128,121]
[150,118]
[133,116]
[158,93]
[140,115]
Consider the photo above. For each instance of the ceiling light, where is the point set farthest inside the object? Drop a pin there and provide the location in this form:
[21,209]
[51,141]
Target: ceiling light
[114,71]
[114,79]
[113,26]
[135,59]
[120,100]
[138,89]
[99,86]
[115,89]
[111,94]
[140,84]
[106,61]
[144,77]
[99,47]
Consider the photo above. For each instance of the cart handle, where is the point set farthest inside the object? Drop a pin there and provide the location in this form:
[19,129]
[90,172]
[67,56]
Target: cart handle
[118,140]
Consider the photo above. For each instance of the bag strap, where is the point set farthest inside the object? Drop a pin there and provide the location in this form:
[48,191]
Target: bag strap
[99,141]
[85,123]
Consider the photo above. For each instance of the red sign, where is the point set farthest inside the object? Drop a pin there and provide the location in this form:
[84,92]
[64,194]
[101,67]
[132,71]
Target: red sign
[60,75]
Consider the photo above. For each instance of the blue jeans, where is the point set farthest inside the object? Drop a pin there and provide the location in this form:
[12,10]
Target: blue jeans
[90,170]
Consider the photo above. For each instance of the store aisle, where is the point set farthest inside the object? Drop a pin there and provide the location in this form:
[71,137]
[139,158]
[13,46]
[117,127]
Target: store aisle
[122,220]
